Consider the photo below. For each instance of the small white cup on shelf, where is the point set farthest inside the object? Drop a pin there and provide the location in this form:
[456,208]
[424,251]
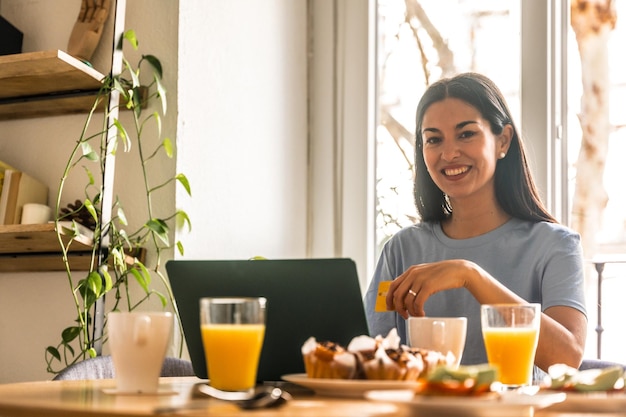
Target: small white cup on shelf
[33,213]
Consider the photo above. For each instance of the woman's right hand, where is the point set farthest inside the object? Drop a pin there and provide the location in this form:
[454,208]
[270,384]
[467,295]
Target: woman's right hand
[408,292]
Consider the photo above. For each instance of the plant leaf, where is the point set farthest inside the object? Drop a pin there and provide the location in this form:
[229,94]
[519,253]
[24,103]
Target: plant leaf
[119,259]
[121,216]
[106,277]
[159,228]
[181,219]
[161,297]
[157,118]
[181,249]
[123,91]
[85,292]
[54,352]
[122,133]
[89,175]
[181,178]
[134,76]
[88,151]
[131,37]
[91,209]
[94,283]
[169,147]
[71,231]
[142,276]
[161,93]
[125,237]
[70,333]
[155,63]
[137,101]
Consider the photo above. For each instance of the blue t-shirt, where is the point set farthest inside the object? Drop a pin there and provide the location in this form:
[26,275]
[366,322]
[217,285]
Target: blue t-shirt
[541,262]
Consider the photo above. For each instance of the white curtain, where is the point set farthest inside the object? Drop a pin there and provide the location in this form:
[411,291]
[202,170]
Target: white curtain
[340,190]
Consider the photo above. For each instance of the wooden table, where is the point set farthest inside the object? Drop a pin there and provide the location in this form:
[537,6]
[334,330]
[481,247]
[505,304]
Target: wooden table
[89,399]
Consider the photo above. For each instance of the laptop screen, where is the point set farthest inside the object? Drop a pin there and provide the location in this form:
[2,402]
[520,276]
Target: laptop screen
[305,297]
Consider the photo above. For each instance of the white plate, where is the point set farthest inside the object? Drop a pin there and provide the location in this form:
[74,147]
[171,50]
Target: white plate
[593,402]
[502,405]
[347,387]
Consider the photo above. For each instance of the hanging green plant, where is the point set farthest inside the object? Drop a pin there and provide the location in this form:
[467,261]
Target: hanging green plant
[117,261]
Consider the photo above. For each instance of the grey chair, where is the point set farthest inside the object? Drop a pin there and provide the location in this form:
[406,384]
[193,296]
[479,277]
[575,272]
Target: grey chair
[598,364]
[101,367]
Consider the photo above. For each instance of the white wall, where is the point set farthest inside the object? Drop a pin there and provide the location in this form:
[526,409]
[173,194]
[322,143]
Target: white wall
[242,127]
[236,80]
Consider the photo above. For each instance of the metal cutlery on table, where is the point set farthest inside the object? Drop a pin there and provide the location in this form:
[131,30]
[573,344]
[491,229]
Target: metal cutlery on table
[260,397]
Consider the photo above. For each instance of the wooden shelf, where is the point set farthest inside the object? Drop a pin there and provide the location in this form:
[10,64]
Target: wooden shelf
[45,83]
[35,247]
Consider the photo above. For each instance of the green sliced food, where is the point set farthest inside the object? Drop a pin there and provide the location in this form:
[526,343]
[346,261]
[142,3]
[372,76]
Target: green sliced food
[597,379]
[481,374]
[563,377]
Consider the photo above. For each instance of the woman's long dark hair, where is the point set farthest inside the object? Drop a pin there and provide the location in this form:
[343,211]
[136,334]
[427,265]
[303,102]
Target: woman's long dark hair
[514,186]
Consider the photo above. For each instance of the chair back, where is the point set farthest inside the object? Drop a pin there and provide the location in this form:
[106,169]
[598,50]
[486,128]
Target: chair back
[101,367]
[598,364]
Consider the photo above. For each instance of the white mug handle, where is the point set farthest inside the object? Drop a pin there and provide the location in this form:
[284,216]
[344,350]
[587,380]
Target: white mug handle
[142,330]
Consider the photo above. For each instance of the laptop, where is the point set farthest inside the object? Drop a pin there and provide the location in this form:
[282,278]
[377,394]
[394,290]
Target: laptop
[305,297]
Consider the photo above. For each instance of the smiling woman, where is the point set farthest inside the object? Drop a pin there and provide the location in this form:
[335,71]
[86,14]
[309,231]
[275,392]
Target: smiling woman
[485,236]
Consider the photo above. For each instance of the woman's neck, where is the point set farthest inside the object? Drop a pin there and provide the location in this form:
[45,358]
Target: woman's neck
[475,219]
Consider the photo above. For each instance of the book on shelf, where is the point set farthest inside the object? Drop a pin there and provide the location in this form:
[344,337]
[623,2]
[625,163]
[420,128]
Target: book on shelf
[19,188]
[3,167]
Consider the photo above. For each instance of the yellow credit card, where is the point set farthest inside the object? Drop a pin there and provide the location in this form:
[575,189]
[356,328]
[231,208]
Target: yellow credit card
[381,297]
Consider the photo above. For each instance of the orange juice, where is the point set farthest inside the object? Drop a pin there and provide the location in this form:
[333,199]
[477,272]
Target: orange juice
[232,354]
[512,351]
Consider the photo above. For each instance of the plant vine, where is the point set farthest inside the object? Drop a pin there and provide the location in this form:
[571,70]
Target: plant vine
[115,264]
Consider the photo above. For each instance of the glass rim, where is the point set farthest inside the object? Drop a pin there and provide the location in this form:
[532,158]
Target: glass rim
[233,300]
[141,313]
[438,318]
[506,305]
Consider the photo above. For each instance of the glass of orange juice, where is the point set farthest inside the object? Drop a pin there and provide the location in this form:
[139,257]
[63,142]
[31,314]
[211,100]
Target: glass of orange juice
[511,333]
[232,330]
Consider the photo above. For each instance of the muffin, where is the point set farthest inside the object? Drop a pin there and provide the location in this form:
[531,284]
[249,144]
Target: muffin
[328,360]
[393,364]
[432,359]
[385,359]
[364,348]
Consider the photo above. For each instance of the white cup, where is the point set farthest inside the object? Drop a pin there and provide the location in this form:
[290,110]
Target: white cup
[441,334]
[138,342]
[33,213]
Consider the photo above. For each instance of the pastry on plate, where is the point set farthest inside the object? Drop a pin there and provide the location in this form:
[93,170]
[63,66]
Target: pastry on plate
[385,359]
[328,360]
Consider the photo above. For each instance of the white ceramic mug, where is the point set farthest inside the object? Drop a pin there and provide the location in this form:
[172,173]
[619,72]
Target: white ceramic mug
[441,334]
[33,213]
[138,342]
